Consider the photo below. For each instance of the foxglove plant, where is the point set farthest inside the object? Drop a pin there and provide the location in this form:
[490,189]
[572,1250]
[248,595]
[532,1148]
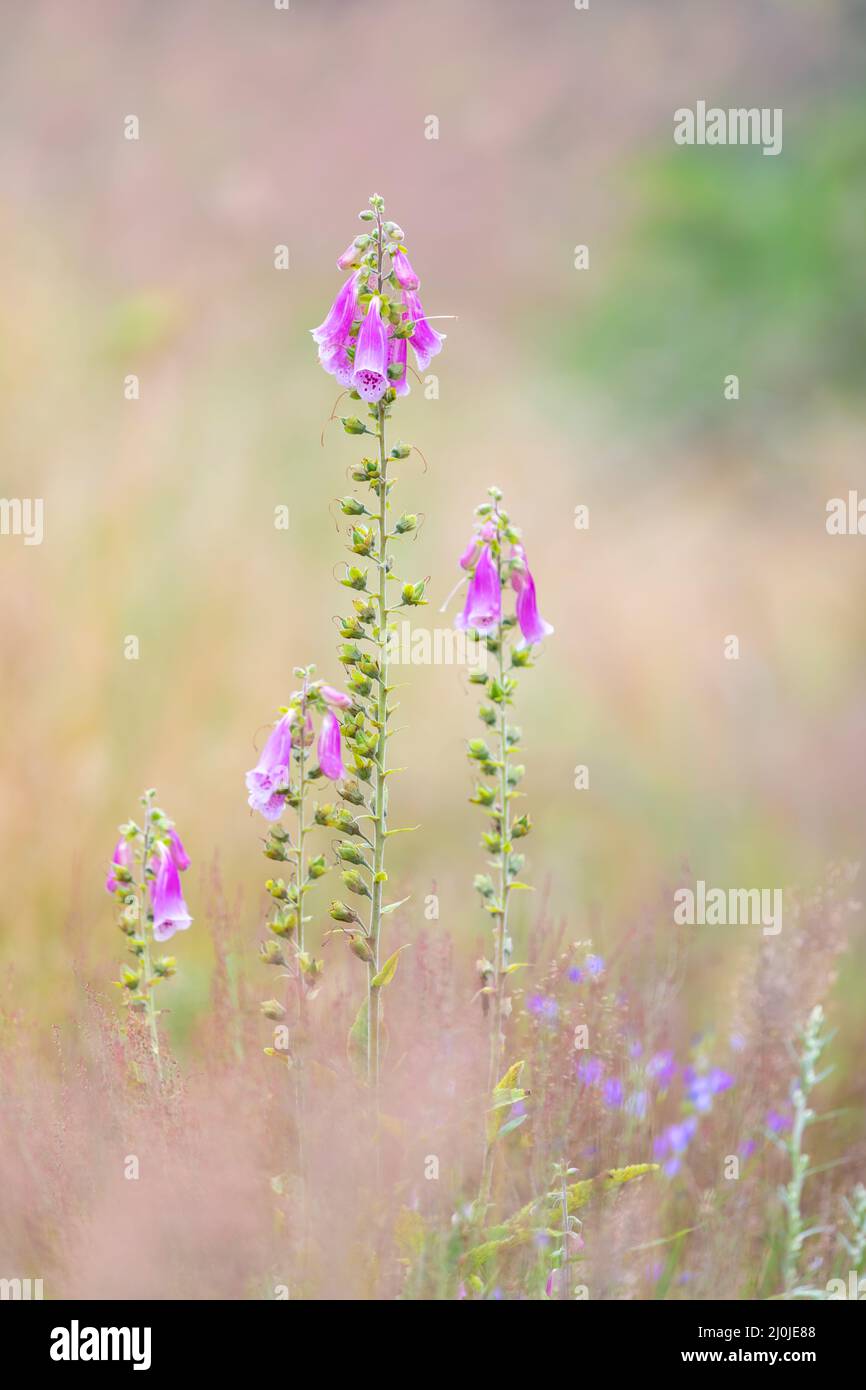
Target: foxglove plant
[281,779]
[496,565]
[144,880]
[363,342]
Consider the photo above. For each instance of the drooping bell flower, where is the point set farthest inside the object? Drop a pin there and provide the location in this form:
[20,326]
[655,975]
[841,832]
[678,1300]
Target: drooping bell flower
[121,859]
[398,353]
[338,698]
[403,272]
[170,912]
[425,340]
[271,772]
[483,608]
[329,748]
[334,331]
[532,625]
[350,257]
[178,853]
[337,362]
[467,559]
[370,378]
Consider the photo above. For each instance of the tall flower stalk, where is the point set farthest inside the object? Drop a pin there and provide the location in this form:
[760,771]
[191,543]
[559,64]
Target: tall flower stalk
[144,879]
[282,778]
[363,343]
[496,564]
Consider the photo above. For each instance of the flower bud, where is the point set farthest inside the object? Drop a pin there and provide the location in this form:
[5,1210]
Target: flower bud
[340,912]
[352,425]
[407,522]
[349,853]
[360,946]
[352,506]
[317,867]
[355,883]
[271,953]
[400,450]
[273,1009]
[165,967]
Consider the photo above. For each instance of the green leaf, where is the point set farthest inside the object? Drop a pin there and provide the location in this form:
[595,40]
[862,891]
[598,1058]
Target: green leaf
[388,971]
[392,907]
[511,1124]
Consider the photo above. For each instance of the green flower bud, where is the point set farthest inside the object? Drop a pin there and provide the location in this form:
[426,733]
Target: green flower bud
[271,954]
[317,867]
[360,946]
[484,795]
[273,1009]
[352,425]
[276,888]
[351,792]
[340,912]
[521,827]
[355,883]
[351,506]
[349,853]
[355,579]
[483,884]
[407,522]
[478,750]
[165,966]
[400,450]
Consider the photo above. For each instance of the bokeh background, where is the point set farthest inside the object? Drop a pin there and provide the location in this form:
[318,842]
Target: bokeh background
[601,388]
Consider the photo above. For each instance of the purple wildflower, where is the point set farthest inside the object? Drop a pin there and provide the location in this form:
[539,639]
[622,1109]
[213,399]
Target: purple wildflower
[398,353]
[673,1142]
[595,965]
[370,379]
[271,773]
[575,974]
[776,1122]
[170,912]
[532,625]
[349,257]
[121,859]
[662,1068]
[701,1087]
[403,272]
[424,339]
[338,698]
[544,1006]
[612,1093]
[334,331]
[483,608]
[589,1071]
[329,748]
[177,851]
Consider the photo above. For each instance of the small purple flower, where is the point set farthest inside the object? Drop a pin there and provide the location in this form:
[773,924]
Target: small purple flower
[349,257]
[748,1148]
[271,772]
[589,1071]
[544,1006]
[467,559]
[575,974]
[662,1068]
[403,272]
[170,913]
[425,340]
[334,331]
[594,965]
[532,625]
[776,1122]
[329,748]
[121,859]
[612,1093]
[483,608]
[370,378]
[701,1087]
[338,698]
[674,1141]
[177,851]
[398,354]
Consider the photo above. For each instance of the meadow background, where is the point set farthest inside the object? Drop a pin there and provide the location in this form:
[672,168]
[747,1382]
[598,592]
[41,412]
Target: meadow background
[601,387]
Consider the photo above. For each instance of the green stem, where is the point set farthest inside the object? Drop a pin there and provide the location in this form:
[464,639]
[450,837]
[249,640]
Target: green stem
[499,977]
[300,877]
[380,794]
[146,958]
